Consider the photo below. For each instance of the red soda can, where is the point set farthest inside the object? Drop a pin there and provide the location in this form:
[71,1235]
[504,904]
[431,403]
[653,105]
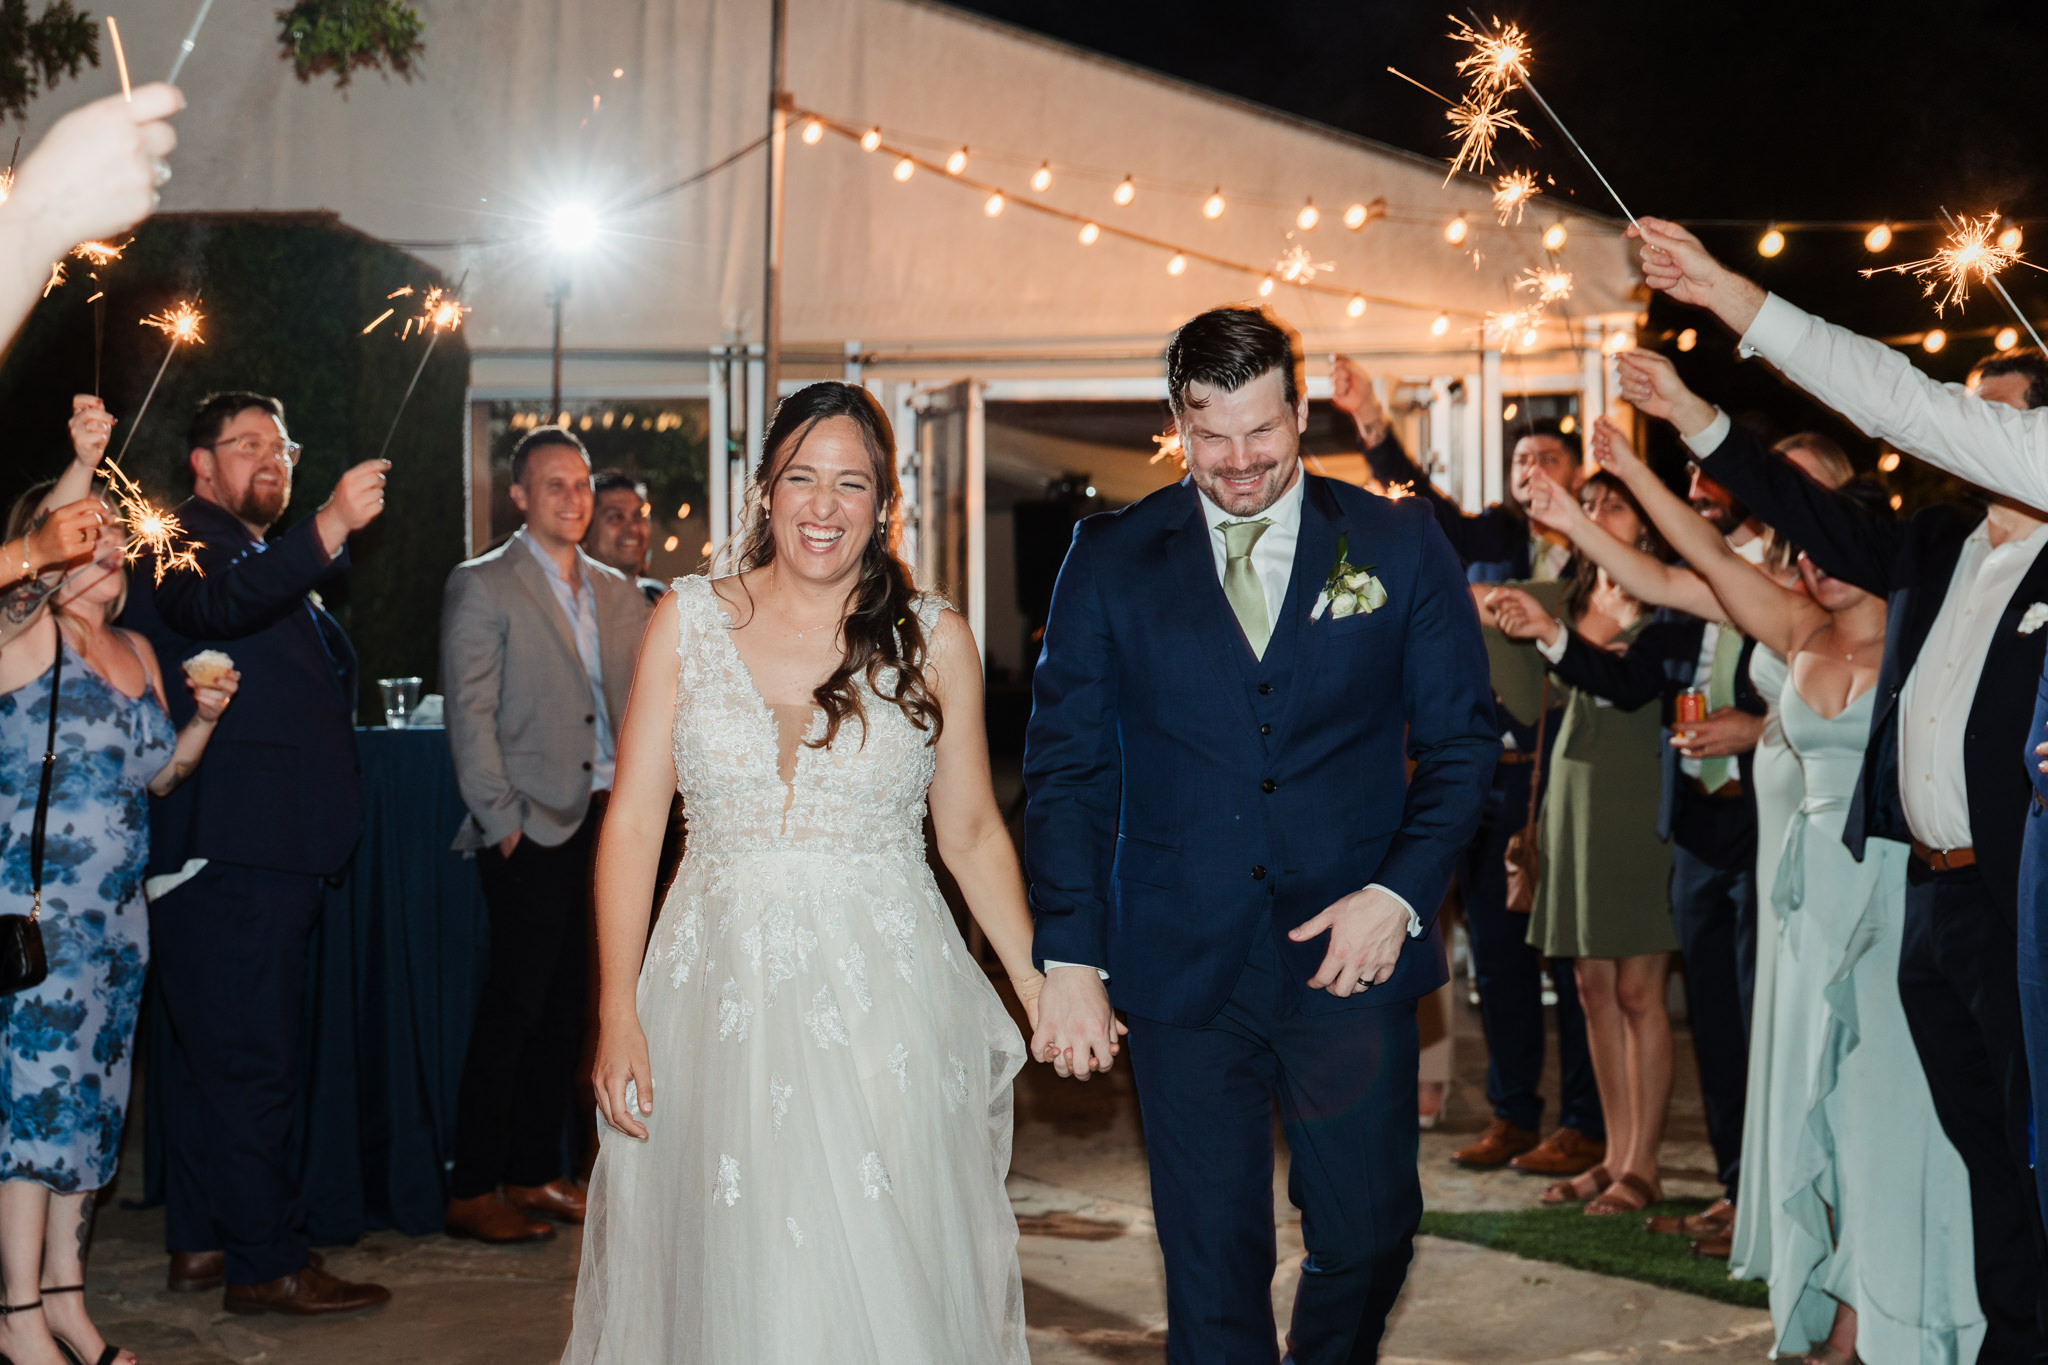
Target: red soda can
[1692,705]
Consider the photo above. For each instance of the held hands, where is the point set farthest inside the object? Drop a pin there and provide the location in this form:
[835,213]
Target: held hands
[1723,734]
[1520,616]
[96,173]
[91,428]
[622,1060]
[1028,990]
[357,500]
[1077,1031]
[1367,929]
[213,699]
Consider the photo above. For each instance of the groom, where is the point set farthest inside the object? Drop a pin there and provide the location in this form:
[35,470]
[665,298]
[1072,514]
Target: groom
[1223,837]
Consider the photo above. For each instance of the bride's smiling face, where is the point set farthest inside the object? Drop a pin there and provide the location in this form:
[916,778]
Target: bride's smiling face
[823,503]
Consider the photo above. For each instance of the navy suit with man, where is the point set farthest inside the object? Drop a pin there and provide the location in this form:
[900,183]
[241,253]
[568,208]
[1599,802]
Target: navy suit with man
[1192,799]
[238,856]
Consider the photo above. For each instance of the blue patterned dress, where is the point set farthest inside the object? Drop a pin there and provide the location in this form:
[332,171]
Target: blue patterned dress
[66,1045]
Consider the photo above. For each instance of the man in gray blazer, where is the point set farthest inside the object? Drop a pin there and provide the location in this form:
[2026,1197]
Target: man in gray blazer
[538,642]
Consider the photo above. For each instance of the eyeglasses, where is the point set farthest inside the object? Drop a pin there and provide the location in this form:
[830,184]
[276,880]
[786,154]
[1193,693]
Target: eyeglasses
[252,447]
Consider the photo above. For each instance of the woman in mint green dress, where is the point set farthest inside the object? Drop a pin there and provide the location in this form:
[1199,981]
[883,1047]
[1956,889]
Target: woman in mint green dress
[1870,1255]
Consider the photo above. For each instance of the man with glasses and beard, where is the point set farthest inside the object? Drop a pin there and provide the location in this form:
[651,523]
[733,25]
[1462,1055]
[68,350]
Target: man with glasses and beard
[238,854]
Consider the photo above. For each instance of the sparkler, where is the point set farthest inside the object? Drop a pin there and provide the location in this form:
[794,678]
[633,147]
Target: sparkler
[191,37]
[1296,266]
[1512,193]
[120,59]
[1551,283]
[440,312]
[1169,448]
[1476,121]
[98,255]
[149,527]
[1968,252]
[180,324]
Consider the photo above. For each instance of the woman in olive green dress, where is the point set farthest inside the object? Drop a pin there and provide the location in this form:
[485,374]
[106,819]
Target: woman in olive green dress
[1603,891]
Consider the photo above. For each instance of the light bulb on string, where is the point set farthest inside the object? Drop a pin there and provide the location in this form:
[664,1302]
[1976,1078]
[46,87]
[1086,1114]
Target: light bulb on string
[871,139]
[1355,216]
[905,168]
[1688,339]
[1770,244]
[1440,324]
[1554,237]
[1878,238]
[1176,264]
[1041,179]
[2007,338]
[1308,217]
[1089,232]
[994,206]
[814,129]
[1124,192]
[1456,229]
[1888,461]
[1355,308]
[1212,207]
[1934,341]
[1528,338]
[957,162]
[1266,287]
[2010,238]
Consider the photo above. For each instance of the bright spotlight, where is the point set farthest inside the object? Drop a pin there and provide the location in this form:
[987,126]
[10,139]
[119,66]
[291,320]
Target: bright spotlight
[573,227]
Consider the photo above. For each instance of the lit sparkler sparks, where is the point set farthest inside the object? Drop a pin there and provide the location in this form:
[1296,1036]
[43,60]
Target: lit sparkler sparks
[1512,193]
[1499,60]
[98,255]
[441,312]
[180,324]
[1476,122]
[1515,324]
[1968,256]
[1169,449]
[56,277]
[1551,283]
[1297,266]
[150,527]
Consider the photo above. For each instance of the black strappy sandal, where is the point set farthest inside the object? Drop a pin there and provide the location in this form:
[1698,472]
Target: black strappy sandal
[8,1310]
[108,1356]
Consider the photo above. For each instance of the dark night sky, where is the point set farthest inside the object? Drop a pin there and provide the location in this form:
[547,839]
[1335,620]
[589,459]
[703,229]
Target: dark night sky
[1798,109]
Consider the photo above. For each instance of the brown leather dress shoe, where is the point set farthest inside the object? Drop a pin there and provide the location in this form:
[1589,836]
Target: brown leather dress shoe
[1567,1151]
[192,1271]
[492,1218]
[307,1294]
[1500,1143]
[1715,1220]
[558,1199]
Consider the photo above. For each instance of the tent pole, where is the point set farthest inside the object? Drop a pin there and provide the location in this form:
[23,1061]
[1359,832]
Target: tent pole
[771,273]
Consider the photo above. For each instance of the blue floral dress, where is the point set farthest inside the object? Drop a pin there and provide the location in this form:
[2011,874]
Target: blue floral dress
[66,1045]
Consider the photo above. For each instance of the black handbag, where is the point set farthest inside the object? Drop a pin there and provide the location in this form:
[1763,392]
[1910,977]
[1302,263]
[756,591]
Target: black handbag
[22,963]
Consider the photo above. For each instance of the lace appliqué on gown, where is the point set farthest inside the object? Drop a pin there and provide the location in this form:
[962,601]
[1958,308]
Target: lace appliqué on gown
[823,1174]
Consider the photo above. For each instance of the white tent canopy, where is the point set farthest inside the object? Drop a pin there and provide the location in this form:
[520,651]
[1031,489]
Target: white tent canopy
[523,107]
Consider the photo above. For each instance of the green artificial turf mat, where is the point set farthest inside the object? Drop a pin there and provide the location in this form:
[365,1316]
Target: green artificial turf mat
[1614,1245]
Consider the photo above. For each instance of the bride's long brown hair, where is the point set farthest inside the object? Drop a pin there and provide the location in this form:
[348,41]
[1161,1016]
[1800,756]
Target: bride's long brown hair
[884,639]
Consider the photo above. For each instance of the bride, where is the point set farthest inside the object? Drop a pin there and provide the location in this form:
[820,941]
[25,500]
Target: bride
[805,1084]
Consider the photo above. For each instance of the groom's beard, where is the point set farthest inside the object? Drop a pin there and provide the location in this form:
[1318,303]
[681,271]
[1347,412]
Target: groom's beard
[1275,477]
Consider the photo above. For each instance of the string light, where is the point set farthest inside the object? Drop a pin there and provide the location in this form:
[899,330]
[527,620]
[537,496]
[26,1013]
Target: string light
[1528,337]
[904,170]
[2007,338]
[1212,207]
[1553,237]
[1688,339]
[1124,192]
[1440,324]
[814,130]
[669,546]
[1089,232]
[1266,287]
[1934,341]
[994,206]
[1888,461]
[1771,243]
[1878,238]
[2011,238]
[957,162]
[871,139]
[1177,264]
[1455,230]
[1355,308]
[1355,216]
[1507,414]
[1567,424]
[1617,342]
[1041,179]
[1308,217]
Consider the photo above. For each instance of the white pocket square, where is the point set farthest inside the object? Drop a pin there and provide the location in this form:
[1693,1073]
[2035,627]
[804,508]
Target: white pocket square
[2036,616]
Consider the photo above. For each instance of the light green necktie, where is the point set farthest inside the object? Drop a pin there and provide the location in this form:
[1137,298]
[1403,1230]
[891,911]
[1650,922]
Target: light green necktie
[1715,772]
[1241,587]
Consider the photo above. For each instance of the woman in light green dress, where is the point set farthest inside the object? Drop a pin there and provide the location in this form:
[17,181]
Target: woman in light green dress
[1868,1214]
[1603,893]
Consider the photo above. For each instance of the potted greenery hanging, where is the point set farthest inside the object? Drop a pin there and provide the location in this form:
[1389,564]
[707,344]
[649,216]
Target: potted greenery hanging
[34,53]
[320,36]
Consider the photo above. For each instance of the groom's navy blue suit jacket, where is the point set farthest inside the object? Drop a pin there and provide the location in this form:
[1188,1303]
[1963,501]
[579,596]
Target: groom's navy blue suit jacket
[1182,791]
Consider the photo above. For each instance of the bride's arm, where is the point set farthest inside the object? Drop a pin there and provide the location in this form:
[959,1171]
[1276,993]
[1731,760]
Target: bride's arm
[628,854]
[972,841]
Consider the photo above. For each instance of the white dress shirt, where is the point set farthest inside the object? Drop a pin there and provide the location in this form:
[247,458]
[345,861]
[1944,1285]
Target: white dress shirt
[579,608]
[1273,562]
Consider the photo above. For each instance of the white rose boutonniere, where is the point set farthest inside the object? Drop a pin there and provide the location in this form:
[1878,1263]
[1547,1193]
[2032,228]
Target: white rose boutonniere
[1349,590]
[2035,617]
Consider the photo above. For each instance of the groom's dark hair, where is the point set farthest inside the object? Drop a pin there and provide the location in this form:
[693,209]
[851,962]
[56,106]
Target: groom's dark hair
[1227,348]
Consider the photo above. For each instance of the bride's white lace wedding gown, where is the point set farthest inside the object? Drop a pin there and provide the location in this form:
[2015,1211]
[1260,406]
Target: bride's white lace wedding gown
[822,1180]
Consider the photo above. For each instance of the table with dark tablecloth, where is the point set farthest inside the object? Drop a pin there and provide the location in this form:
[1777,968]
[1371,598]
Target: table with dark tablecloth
[393,969]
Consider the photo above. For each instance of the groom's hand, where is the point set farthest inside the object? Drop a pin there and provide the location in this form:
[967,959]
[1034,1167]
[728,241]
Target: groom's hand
[1366,929]
[1077,1030]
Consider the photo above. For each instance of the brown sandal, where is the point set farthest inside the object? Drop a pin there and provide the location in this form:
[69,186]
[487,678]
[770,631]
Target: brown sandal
[1567,1191]
[1630,1194]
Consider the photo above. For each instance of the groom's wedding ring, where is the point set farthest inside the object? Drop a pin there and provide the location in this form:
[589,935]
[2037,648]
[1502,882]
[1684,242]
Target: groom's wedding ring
[1365,983]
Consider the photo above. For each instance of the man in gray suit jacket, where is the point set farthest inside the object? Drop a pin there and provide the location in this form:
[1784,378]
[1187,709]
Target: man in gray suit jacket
[538,642]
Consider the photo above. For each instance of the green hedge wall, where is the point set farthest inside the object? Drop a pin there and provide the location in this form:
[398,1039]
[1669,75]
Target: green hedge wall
[286,297]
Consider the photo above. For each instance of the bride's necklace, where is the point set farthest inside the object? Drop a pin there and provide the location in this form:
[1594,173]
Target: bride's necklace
[800,631]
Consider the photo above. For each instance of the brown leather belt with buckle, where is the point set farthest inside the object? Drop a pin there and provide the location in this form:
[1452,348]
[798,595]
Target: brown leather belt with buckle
[1516,759]
[1732,787]
[1945,859]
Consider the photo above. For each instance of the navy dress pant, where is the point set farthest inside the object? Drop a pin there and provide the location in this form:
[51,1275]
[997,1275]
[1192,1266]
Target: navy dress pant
[1713,908]
[1344,1082]
[230,956]
[1509,975]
